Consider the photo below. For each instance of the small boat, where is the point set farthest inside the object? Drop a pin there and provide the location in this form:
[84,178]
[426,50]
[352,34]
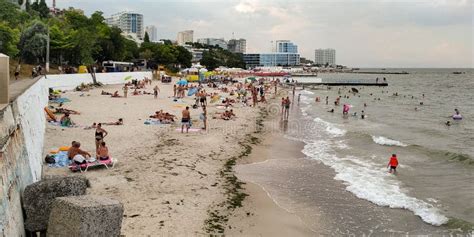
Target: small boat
[458,72]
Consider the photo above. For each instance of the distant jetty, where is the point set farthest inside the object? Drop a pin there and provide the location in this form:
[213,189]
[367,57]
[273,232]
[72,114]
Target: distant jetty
[371,72]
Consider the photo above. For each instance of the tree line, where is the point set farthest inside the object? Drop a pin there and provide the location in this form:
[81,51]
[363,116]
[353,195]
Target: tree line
[76,39]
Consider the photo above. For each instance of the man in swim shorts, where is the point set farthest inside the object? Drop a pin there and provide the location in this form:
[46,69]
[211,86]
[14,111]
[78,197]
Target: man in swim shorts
[186,119]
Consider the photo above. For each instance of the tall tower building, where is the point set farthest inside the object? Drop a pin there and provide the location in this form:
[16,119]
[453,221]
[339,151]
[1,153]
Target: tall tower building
[237,45]
[129,22]
[285,46]
[152,33]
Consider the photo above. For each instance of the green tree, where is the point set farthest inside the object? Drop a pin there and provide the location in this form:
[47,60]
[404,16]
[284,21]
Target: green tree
[184,57]
[33,42]
[209,60]
[146,38]
[9,38]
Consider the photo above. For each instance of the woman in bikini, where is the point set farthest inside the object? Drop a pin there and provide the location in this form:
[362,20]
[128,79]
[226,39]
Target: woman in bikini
[100,134]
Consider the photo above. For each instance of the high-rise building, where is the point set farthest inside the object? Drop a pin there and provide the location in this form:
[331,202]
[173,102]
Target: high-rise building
[323,56]
[152,33]
[237,45]
[185,37]
[130,23]
[213,41]
[285,46]
[271,59]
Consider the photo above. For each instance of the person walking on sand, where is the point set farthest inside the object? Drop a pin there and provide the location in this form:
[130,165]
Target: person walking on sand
[299,98]
[393,163]
[204,117]
[186,119]
[287,107]
[125,91]
[155,91]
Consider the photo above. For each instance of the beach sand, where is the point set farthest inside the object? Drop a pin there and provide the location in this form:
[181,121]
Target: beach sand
[166,180]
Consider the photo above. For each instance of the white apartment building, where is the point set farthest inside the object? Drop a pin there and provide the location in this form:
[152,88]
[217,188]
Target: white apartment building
[213,42]
[129,22]
[185,37]
[152,33]
[323,56]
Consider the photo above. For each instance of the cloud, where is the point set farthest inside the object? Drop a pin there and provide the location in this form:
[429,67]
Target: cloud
[401,33]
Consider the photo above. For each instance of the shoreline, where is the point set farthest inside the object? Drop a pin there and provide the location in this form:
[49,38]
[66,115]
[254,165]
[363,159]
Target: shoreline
[261,214]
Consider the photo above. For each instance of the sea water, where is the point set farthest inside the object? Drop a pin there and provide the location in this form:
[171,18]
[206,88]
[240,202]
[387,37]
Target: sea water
[407,118]
[433,189]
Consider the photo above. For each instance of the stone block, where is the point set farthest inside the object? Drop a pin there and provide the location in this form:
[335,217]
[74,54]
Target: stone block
[86,215]
[38,198]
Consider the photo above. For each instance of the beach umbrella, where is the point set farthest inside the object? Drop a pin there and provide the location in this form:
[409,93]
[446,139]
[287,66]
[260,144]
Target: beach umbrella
[127,78]
[182,82]
[354,90]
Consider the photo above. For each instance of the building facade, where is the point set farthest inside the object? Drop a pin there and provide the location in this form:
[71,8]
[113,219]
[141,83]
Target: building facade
[285,46]
[325,56]
[129,22]
[185,37]
[237,45]
[271,59]
[152,33]
[213,41]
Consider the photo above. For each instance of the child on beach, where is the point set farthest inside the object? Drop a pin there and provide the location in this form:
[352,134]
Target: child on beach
[103,152]
[393,163]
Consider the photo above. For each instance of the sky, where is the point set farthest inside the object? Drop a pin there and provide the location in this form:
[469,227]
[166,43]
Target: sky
[365,33]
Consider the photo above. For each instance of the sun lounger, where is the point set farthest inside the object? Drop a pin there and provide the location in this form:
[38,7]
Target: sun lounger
[98,163]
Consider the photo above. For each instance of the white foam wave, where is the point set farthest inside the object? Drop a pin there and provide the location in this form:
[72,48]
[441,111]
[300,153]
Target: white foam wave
[330,128]
[306,92]
[387,141]
[367,180]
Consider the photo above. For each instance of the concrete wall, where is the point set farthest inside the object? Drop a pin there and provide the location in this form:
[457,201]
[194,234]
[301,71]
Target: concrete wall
[22,128]
[70,81]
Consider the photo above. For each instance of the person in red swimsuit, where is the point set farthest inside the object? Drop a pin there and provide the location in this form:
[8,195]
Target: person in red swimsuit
[393,163]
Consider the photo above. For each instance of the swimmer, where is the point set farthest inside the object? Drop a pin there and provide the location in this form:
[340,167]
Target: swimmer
[448,123]
[362,115]
[331,111]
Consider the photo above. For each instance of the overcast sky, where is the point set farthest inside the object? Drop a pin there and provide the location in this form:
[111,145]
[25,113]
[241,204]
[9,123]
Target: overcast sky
[369,33]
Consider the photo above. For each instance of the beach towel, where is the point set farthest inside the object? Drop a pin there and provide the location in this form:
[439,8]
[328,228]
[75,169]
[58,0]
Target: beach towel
[192,91]
[60,100]
[60,160]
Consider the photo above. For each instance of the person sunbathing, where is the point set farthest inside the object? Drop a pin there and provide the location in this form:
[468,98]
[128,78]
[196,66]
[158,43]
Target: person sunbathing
[66,121]
[65,111]
[116,95]
[136,92]
[119,122]
[105,93]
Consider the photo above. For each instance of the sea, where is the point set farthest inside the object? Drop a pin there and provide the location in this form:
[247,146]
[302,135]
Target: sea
[432,191]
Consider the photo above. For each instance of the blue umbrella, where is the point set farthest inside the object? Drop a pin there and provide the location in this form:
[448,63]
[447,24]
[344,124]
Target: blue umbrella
[182,82]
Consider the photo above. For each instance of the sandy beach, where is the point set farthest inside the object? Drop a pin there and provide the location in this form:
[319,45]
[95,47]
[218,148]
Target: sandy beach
[169,182]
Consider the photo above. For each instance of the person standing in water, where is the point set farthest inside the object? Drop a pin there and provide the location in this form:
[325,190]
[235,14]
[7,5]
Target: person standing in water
[393,163]
[327,100]
[299,96]
[362,115]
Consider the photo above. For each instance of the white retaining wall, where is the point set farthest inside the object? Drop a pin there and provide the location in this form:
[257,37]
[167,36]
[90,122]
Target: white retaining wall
[70,81]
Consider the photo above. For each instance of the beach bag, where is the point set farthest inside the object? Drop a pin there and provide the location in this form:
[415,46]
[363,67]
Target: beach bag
[49,159]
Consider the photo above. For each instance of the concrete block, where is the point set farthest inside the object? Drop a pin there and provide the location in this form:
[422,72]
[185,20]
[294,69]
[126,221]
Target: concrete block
[85,216]
[38,198]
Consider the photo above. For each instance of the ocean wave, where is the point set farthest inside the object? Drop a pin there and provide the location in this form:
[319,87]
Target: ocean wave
[387,141]
[306,92]
[368,181]
[330,128]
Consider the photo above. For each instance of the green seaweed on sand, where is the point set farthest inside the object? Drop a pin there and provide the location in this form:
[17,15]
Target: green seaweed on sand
[233,190]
